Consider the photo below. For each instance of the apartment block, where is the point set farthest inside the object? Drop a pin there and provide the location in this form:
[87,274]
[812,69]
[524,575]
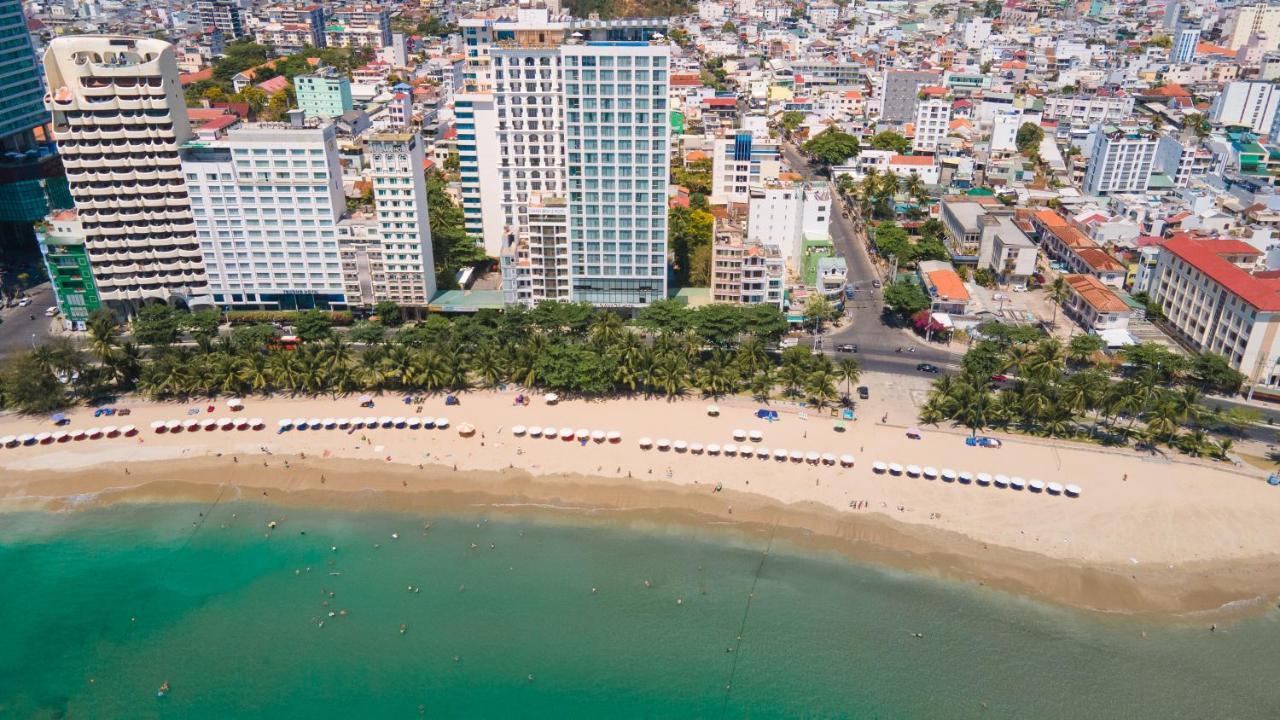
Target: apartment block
[740,162]
[1121,161]
[1250,105]
[324,94]
[747,273]
[398,165]
[353,26]
[933,120]
[783,215]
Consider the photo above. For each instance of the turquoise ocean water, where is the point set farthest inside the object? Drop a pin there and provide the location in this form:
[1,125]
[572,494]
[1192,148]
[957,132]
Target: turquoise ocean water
[98,607]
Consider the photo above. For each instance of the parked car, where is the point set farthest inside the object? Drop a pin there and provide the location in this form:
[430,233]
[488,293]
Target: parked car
[864,392]
[24,302]
[847,348]
[875,284]
[50,311]
[788,343]
[928,367]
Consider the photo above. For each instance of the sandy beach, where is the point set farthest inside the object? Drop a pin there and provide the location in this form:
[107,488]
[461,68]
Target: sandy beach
[1148,534]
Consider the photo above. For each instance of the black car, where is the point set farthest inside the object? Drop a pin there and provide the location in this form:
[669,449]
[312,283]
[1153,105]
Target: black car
[864,392]
[927,367]
[847,348]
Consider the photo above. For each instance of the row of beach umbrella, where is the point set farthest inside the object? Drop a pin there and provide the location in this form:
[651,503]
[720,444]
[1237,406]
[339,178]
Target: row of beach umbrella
[754,436]
[566,433]
[207,424]
[385,421]
[983,479]
[62,436]
[811,457]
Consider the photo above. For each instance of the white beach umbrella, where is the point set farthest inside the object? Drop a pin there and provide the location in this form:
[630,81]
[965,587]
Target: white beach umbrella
[812,457]
[797,456]
[466,429]
[517,430]
[729,449]
[663,444]
[385,420]
[158,426]
[79,434]
[582,433]
[61,436]
[228,423]
[930,472]
[613,436]
[344,422]
[780,454]
[329,422]
[644,442]
[982,479]
[755,435]
[173,425]
[713,449]
[913,470]
[746,451]
[964,476]
[550,432]
[713,410]
[93,433]
[535,431]
[128,430]
[761,452]
[284,423]
[1072,490]
[300,423]
[27,439]
[44,438]
[828,458]
[948,475]
[428,423]
[680,446]
[235,403]
[551,398]
[598,435]
[695,448]
[1055,488]
[443,423]
[8,440]
[399,421]
[111,431]
[1000,481]
[256,423]
[895,469]
[739,434]
[190,424]
[878,466]
[240,423]
[1035,485]
[566,433]
[1017,483]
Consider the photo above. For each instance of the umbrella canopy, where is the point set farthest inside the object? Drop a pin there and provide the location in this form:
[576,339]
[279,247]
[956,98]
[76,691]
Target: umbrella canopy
[680,445]
[517,430]
[746,451]
[284,423]
[128,430]
[755,435]
[61,436]
[982,479]
[256,422]
[8,440]
[535,431]
[729,449]
[1055,488]
[209,424]
[1072,490]
[582,434]
[44,437]
[613,436]
[1035,485]
[414,422]
[172,425]
[828,458]
[93,432]
[948,475]
[158,425]
[797,455]
[399,421]
[466,429]
[848,460]
[663,443]
[763,452]
[442,423]
[58,417]
[1000,481]
[190,424]
[385,420]
[235,403]
[739,434]
[646,442]
[878,466]
[551,398]
[550,432]
[428,423]
[913,470]
[812,456]
[597,435]
[695,448]
[76,434]
[566,433]
[366,398]
[713,449]
[110,431]
[895,469]
[1017,483]
[930,472]
[26,438]
[713,410]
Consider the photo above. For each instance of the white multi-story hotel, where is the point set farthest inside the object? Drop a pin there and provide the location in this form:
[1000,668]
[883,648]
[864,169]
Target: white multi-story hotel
[933,119]
[1214,302]
[1121,161]
[740,161]
[267,198]
[783,215]
[400,199]
[118,119]
[1255,105]
[1087,110]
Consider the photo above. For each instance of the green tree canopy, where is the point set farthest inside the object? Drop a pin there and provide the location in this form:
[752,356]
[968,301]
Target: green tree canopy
[890,140]
[906,298]
[832,147]
[1028,139]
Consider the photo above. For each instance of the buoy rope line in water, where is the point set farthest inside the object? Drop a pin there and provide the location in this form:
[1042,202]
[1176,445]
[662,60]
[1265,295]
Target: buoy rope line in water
[746,612]
[207,512]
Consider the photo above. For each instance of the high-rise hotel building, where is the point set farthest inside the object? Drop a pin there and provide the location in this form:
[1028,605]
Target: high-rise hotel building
[576,111]
[119,118]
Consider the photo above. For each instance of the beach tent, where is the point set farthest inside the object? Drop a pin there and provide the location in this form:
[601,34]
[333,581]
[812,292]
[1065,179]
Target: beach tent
[767,414]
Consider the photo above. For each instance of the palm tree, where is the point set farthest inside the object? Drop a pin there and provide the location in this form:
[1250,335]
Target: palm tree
[762,384]
[606,329]
[490,365]
[1058,292]
[102,328]
[717,376]
[914,187]
[751,357]
[1047,359]
[792,377]
[975,407]
[848,370]
[668,375]
[821,387]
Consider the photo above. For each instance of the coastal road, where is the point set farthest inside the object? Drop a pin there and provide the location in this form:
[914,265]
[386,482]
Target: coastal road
[18,331]
[877,342]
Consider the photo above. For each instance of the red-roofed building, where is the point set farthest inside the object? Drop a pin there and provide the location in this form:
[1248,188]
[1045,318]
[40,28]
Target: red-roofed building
[1215,304]
[1094,305]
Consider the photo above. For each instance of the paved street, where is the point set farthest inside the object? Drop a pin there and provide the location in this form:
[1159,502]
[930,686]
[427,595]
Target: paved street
[18,331]
[877,343]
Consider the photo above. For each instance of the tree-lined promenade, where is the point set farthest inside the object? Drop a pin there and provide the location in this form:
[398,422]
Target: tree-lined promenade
[668,350]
